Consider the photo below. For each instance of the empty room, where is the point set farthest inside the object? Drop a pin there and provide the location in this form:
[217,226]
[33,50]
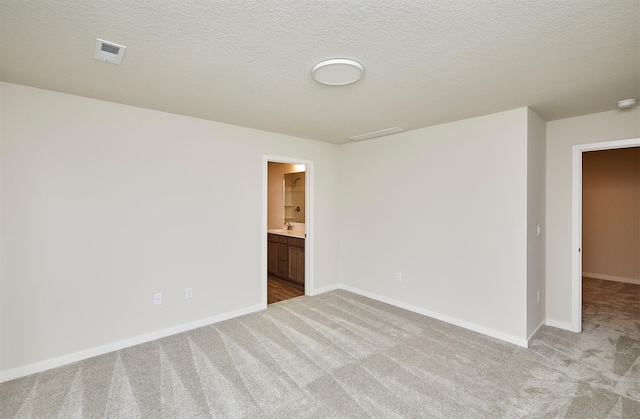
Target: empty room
[319,209]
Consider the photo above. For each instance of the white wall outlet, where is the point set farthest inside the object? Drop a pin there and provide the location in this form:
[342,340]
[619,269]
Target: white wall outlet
[399,276]
[157,299]
[538,230]
[538,295]
[188,293]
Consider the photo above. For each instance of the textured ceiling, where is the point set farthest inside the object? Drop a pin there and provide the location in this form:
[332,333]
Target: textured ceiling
[248,62]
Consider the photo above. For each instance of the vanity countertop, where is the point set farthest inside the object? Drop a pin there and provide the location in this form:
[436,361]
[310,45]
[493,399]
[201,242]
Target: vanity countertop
[290,233]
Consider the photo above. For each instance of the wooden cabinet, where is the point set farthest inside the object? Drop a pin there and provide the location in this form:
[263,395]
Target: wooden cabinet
[283,268]
[285,257]
[296,260]
[272,254]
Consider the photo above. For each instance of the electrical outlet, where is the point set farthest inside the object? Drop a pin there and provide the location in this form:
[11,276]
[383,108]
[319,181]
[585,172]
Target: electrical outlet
[188,293]
[538,230]
[157,299]
[399,276]
[538,295]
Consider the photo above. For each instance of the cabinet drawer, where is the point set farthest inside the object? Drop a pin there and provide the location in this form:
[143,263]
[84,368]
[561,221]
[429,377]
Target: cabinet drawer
[282,239]
[293,241]
[272,237]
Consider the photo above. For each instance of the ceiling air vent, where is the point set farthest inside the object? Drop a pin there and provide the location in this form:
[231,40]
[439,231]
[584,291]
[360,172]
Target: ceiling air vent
[109,51]
[376,134]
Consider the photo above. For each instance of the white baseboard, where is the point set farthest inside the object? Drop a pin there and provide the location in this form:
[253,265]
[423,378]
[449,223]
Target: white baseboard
[116,346]
[534,332]
[325,289]
[452,320]
[612,278]
[560,325]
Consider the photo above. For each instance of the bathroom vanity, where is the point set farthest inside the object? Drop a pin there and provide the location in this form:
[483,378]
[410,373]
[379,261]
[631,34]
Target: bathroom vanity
[285,255]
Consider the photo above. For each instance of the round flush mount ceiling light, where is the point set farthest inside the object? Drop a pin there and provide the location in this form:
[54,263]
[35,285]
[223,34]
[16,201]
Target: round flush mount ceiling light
[627,103]
[337,71]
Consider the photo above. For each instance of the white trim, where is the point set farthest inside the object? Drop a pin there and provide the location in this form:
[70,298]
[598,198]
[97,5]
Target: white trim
[309,242]
[122,344]
[322,290]
[612,278]
[115,346]
[265,200]
[534,333]
[576,221]
[559,325]
[576,239]
[452,320]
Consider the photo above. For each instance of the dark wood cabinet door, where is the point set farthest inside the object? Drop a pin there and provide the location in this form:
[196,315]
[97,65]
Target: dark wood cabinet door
[296,264]
[272,258]
[285,257]
[301,266]
[282,251]
[283,269]
[293,264]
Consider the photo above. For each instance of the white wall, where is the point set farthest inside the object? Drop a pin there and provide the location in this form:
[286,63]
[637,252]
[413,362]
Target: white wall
[104,205]
[447,207]
[561,136]
[536,141]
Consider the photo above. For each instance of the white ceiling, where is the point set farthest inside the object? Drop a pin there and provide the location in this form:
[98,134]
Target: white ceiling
[248,62]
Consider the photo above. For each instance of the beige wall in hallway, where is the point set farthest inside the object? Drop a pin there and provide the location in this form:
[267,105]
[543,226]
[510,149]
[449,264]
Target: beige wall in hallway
[611,213]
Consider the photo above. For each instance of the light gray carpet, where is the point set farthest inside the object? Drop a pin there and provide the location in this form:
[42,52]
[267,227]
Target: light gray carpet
[342,355]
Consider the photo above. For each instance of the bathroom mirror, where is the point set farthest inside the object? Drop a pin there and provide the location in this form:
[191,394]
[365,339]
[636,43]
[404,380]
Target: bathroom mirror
[294,197]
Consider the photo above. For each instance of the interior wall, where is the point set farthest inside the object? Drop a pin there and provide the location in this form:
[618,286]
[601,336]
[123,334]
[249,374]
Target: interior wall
[562,135]
[446,206]
[104,205]
[610,214]
[536,203]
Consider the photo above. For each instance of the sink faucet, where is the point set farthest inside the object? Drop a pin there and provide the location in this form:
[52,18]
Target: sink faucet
[289,226]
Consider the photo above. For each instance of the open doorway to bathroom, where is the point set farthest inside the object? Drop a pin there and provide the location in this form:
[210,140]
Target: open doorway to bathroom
[286,230]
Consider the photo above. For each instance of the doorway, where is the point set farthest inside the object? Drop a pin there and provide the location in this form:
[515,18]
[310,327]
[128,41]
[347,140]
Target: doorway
[610,233]
[288,221]
[577,220]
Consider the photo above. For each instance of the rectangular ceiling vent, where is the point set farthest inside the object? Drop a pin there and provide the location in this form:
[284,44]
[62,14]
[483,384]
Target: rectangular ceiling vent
[375,134]
[109,51]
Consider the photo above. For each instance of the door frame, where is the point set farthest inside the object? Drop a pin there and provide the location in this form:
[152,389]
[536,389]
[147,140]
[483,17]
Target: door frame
[309,220]
[576,220]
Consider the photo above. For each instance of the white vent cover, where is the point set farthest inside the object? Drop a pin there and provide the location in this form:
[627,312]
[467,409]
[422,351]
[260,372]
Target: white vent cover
[109,51]
[375,134]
